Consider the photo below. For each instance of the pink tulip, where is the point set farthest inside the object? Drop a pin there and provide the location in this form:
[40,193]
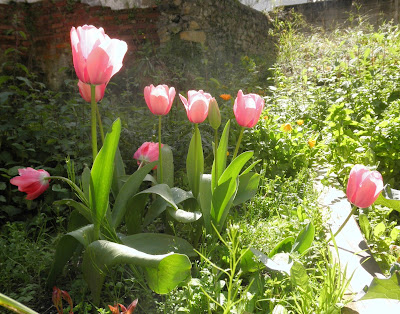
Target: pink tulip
[148,152]
[86,93]
[31,181]
[364,186]
[196,105]
[247,109]
[159,99]
[96,57]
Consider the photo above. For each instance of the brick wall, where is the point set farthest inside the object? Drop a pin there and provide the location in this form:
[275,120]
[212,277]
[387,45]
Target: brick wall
[47,26]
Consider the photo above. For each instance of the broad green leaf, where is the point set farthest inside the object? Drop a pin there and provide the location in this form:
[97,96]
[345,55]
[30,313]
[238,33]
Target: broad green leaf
[164,191]
[86,182]
[249,168]
[280,262]
[170,272]
[248,186]
[102,173]
[160,205]
[14,305]
[134,213]
[384,288]
[205,197]
[119,172]
[76,221]
[221,155]
[195,162]
[66,247]
[299,277]
[164,273]
[128,190]
[167,165]
[364,225]
[379,229]
[304,239]
[389,198]
[284,246]
[249,263]
[184,216]
[226,189]
[82,209]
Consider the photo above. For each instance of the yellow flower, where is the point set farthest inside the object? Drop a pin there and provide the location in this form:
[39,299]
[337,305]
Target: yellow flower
[227,153]
[300,122]
[286,127]
[311,142]
[225,96]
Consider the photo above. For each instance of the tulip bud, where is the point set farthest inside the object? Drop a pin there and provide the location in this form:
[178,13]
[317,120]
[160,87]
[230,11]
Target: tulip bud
[214,115]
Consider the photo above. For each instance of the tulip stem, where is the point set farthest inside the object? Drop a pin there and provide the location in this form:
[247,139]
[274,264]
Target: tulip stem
[100,124]
[159,151]
[93,120]
[216,154]
[353,210]
[78,191]
[238,143]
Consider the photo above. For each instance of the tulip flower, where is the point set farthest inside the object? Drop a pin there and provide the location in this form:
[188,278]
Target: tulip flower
[85,91]
[96,56]
[196,105]
[147,153]
[31,181]
[247,109]
[159,99]
[364,186]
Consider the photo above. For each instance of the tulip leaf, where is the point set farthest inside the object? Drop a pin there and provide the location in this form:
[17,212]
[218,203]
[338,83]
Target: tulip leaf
[248,186]
[205,197]
[164,191]
[102,174]
[160,204]
[134,213]
[81,208]
[389,198]
[284,246]
[384,288]
[221,155]
[119,172]
[167,165]
[128,190]
[14,305]
[226,189]
[195,162]
[280,262]
[157,253]
[86,182]
[304,239]
[66,247]
[184,216]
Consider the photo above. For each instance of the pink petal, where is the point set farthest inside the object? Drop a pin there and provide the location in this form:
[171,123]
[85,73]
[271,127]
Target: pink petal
[97,66]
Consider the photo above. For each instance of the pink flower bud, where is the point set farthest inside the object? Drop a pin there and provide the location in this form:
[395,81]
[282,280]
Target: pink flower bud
[159,99]
[96,56]
[247,109]
[364,186]
[147,153]
[31,181]
[86,93]
[196,105]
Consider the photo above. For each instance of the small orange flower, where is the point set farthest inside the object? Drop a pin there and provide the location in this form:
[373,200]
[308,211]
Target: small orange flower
[311,142]
[287,127]
[265,117]
[300,122]
[227,153]
[225,96]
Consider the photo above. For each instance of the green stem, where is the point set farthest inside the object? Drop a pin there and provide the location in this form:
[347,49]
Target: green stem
[161,180]
[93,120]
[100,124]
[216,154]
[78,191]
[238,143]
[353,210]
[196,144]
